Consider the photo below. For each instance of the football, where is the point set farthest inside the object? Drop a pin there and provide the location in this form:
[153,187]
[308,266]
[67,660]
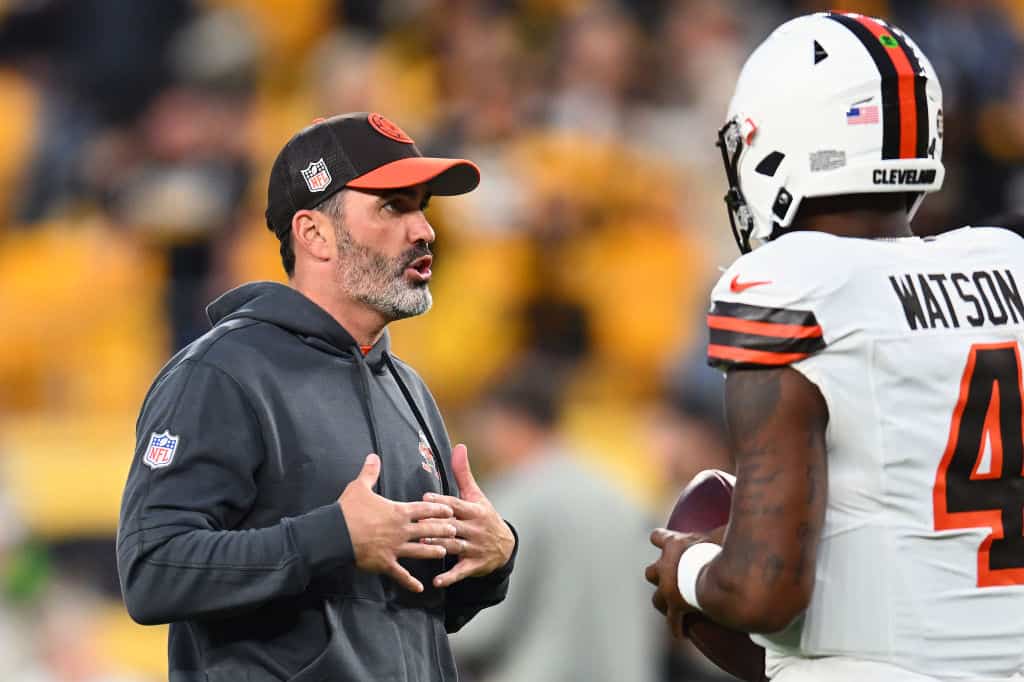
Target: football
[702,507]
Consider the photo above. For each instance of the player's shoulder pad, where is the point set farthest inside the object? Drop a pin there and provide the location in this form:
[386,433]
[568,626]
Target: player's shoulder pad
[984,242]
[765,309]
[995,236]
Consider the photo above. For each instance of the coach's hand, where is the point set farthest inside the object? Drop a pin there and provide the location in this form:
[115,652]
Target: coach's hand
[382,530]
[484,542]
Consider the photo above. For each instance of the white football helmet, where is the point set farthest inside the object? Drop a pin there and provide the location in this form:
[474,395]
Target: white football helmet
[829,104]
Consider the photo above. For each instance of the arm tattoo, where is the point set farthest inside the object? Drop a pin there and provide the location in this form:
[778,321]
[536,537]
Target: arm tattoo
[773,567]
[776,422]
[757,398]
[806,542]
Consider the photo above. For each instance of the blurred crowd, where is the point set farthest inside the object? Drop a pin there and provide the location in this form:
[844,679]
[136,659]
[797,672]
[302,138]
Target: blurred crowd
[566,340]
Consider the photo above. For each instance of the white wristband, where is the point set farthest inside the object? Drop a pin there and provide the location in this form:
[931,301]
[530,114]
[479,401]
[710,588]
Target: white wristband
[691,562]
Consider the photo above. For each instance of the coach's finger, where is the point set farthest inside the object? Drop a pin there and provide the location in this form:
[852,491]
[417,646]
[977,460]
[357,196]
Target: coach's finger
[451,545]
[427,510]
[404,577]
[461,570]
[659,602]
[370,472]
[462,508]
[470,530]
[420,550]
[464,474]
[429,529]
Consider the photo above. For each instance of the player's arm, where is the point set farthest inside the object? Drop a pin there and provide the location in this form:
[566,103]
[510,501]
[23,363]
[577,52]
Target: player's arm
[764,574]
[763,577]
[769,311]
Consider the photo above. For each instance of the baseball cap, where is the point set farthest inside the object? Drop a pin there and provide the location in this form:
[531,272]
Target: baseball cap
[360,150]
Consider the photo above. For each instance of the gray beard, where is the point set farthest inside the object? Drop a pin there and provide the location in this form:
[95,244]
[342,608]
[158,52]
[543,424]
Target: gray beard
[379,282]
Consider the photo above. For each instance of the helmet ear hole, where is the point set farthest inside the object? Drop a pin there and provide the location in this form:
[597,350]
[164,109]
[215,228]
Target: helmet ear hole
[783,201]
[770,164]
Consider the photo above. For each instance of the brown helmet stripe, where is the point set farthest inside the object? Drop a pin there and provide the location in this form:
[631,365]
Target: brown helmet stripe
[900,105]
[920,92]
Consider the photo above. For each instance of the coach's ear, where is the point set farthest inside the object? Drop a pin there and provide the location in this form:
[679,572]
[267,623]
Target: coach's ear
[313,235]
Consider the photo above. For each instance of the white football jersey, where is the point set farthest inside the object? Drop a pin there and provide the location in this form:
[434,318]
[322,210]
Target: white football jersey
[915,345]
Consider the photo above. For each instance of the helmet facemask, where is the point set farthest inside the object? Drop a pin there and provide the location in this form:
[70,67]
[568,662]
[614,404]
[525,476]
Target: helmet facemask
[730,144]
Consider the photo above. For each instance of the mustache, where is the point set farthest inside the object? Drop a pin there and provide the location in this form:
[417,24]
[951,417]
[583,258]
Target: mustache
[412,254]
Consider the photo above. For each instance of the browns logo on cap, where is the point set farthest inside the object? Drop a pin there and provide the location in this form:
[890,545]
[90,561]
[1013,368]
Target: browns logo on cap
[388,129]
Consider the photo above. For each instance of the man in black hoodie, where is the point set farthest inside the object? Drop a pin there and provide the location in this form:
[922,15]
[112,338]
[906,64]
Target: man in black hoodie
[232,529]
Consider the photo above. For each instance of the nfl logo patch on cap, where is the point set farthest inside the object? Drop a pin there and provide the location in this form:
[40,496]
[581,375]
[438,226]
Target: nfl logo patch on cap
[317,176]
[160,452]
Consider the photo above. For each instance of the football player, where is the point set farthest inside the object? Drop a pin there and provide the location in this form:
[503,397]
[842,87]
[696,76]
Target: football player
[873,382]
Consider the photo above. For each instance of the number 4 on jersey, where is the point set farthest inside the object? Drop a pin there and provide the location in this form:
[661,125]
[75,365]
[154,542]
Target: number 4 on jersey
[980,481]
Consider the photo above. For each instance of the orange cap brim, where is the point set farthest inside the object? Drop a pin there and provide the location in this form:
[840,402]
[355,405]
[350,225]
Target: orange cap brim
[444,177]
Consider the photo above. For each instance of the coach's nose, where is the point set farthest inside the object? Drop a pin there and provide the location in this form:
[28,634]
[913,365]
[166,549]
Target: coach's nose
[420,228]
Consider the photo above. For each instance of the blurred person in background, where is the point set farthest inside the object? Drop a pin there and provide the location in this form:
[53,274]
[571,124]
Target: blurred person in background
[48,613]
[231,527]
[67,645]
[965,39]
[178,175]
[576,613]
[594,71]
[144,117]
[99,63]
[490,98]
[696,52]
[687,435]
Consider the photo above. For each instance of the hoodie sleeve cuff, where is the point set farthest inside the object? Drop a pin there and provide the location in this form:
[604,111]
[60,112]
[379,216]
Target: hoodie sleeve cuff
[322,539]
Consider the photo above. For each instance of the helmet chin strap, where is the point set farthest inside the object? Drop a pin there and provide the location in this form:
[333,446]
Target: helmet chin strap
[914,204]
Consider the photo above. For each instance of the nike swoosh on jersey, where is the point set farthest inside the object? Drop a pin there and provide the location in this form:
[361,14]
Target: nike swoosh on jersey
[737,287]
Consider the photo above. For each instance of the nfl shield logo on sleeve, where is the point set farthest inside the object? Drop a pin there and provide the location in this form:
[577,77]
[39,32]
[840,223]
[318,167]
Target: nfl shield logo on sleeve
[317,176]
[160,452]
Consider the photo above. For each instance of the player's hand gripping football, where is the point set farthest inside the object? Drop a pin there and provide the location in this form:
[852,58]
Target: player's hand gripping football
[484,542]
[383,531]
[663,574]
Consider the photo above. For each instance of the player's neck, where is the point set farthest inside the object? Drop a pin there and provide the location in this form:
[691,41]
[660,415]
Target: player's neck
[863,225]
[858,216]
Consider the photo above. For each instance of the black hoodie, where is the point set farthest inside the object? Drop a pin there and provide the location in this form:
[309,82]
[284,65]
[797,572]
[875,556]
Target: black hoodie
[230,528]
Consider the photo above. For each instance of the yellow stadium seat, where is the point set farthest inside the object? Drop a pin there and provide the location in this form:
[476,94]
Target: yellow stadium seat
[65,472]
[86,330]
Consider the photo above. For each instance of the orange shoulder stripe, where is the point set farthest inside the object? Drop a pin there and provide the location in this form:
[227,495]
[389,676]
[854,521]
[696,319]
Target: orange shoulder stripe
[756,357]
